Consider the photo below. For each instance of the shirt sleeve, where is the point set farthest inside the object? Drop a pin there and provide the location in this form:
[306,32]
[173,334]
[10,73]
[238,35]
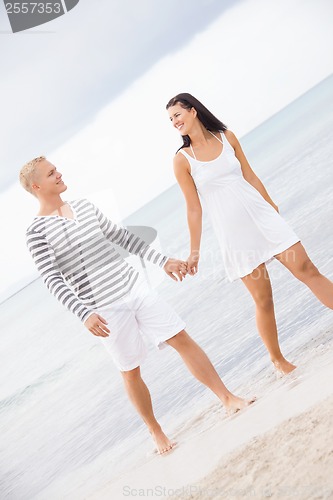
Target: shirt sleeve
[45,261]
[132,243]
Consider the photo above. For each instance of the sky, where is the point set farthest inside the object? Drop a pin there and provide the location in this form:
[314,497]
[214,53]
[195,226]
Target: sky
[89,90]
[61,73]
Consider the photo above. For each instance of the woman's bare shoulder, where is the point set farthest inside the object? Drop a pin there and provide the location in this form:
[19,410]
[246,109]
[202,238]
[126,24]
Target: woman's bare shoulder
[180,161]
[231,137]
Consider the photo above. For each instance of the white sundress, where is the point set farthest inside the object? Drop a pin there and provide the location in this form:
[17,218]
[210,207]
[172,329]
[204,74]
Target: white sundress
[249,230]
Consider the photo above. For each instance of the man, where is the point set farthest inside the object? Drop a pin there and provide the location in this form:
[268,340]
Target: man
[72,246]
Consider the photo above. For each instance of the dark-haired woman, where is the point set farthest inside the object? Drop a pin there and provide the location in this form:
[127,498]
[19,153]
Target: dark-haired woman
[250,231]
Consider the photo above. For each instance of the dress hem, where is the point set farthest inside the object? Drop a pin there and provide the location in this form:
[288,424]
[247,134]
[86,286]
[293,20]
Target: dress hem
[283,248]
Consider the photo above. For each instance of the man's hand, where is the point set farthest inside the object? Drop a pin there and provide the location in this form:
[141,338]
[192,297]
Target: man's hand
[192,263]
[174,268]
[96,325]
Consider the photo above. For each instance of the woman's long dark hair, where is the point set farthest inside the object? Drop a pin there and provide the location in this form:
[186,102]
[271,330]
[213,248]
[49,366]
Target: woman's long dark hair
[209,121]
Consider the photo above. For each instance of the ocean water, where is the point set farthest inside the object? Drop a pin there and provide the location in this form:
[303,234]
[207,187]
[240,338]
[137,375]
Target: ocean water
[67,428]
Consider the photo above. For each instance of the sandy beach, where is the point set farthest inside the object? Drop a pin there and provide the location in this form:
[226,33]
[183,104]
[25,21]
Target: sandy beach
[280,447]
[293,460]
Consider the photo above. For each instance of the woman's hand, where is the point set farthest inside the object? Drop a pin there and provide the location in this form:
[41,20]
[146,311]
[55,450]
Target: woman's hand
[193,262]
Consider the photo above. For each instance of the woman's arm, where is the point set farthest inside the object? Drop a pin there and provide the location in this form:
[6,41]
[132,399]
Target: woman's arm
[247,171]
[194,210]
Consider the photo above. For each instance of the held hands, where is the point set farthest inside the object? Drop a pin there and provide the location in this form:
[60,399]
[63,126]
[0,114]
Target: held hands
[96,325]
[174,268]
[193,262]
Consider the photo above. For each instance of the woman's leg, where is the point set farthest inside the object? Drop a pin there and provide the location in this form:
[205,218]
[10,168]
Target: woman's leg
[297,261]
[200,366]
[259,286]
[139,395]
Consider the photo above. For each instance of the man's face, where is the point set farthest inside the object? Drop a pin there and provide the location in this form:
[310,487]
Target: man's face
[47,180]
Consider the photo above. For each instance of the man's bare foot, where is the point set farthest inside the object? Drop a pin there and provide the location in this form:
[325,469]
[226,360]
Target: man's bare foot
[163,443]
[233,404]
[283,366]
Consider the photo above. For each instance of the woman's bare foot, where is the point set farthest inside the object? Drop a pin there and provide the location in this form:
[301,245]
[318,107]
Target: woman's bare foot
[233,404]
[283,366]
[163,443]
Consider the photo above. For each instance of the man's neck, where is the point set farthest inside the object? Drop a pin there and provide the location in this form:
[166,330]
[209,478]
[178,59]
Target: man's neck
[50,205]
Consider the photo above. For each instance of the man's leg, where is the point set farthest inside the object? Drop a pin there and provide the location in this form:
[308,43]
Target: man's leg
[201,367]
[139,395]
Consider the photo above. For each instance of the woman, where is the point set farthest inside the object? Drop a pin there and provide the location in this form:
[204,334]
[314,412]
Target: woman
[250,231]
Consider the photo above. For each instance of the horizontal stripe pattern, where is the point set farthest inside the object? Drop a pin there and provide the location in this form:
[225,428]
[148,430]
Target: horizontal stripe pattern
[78,262]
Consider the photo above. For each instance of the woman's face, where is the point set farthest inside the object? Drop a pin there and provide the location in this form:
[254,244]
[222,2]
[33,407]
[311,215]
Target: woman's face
[181,118]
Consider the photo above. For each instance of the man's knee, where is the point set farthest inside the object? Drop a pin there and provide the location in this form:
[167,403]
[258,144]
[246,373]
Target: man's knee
[180,338]
[131,375]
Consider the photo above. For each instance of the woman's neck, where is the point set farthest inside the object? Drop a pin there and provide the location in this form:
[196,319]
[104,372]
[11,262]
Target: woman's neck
[199,135]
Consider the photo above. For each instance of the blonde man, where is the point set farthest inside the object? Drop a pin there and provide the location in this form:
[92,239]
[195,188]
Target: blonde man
[71,244]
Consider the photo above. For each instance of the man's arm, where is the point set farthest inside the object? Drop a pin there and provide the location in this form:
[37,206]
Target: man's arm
[45,261]
[129,241]
[135,245]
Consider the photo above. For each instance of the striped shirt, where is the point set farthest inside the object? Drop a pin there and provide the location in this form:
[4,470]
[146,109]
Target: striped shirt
[78,262]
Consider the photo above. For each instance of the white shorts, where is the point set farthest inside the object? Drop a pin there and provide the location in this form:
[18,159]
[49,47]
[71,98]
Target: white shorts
[141,311]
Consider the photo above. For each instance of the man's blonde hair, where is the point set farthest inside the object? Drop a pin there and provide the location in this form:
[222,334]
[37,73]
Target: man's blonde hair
[27,173]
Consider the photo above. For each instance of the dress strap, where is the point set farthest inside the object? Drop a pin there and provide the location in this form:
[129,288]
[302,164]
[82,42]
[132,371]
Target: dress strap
[220,140]
[192,152]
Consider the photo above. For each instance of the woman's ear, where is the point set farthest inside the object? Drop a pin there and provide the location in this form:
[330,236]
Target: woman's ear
[194,111]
